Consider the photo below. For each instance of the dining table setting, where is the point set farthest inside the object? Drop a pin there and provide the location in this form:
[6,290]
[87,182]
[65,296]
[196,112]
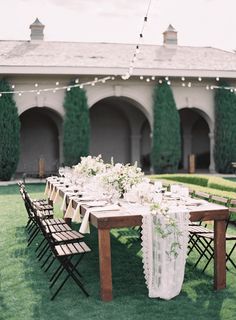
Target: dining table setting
[115,195]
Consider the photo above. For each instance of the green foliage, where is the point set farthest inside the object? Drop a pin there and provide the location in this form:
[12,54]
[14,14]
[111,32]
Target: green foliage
[9,133]
[225,130]
[166,142]
[25,293]
[76,126]
[192,179]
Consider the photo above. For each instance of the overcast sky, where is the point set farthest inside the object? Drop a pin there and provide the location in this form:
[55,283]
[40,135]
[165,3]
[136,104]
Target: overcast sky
[198,22]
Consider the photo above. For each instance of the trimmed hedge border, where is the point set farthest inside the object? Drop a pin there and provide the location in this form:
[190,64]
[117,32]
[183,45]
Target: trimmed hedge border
[210,184]
[215,185]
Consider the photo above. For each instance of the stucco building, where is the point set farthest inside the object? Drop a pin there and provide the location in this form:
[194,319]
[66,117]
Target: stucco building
[120,110]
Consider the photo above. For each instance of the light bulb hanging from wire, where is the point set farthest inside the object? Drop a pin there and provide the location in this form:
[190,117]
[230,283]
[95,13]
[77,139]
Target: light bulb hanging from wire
[127,75]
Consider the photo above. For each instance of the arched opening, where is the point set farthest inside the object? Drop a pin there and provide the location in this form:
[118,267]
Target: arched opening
[39,139]
[195,139]
[119,129]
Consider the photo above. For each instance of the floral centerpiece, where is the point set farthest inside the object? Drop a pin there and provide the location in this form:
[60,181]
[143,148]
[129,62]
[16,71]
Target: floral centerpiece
[122,177]
[90,166]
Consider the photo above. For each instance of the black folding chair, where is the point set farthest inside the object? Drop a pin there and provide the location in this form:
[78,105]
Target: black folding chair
[207,239]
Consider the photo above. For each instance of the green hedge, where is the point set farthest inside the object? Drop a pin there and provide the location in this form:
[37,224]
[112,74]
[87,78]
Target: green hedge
[192,179]
[210,184]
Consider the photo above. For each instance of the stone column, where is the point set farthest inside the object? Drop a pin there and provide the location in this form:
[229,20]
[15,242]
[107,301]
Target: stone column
[212,160]
[135,148]
[187,147]
[60,143]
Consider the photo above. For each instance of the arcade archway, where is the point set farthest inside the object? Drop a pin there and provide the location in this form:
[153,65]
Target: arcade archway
[119,129]
[195,138]
[39,139]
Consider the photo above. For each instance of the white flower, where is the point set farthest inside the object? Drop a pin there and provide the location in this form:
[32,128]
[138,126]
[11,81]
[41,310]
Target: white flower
[90,166]
[122,177]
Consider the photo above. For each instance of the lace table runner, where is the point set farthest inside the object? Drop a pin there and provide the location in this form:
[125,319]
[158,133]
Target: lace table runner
[164,257]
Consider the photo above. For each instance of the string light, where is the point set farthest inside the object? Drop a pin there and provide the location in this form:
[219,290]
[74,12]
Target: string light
[127,75]
[55,89]
[103,80]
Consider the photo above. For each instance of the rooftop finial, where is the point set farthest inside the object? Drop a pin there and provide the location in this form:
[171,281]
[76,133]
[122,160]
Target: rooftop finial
[170,36]
[37,30]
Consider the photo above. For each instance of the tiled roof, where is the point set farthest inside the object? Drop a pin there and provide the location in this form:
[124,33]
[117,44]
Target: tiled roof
[113,55]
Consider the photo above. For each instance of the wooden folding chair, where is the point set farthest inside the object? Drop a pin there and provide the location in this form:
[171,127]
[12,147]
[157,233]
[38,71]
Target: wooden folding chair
[64,254]
[207,239]
[197,228]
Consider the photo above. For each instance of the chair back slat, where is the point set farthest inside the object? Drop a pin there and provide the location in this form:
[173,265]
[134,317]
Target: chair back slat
[202,195]
[220,200]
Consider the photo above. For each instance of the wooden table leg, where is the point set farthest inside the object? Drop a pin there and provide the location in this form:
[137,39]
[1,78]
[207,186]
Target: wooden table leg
[105,264]
[219,255]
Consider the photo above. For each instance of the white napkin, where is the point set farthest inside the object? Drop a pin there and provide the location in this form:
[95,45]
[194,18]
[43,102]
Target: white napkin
[194,202]
[84,228]
[51,196]
[76,216]
[56,196]
[69,210]
[63,206]
[46,189]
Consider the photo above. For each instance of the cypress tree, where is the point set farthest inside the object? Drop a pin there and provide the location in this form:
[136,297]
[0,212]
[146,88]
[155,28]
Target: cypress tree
[9,133]
[166,141]
[76,126]
[225,129]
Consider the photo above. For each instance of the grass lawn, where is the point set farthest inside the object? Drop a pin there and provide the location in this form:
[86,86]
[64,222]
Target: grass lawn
[24,292]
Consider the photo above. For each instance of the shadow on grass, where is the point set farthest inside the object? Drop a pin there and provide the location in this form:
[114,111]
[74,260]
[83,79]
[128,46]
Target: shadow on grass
[197,299]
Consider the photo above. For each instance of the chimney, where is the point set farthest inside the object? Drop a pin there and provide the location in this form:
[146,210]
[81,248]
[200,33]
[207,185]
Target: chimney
[36,30]
[170,36]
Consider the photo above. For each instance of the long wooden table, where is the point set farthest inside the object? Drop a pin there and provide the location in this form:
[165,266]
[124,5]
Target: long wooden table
[108,220]
[104,221]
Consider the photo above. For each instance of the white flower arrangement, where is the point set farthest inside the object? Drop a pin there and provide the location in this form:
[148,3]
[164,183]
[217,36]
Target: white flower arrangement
[142,192]
[90,166]
[122,177]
